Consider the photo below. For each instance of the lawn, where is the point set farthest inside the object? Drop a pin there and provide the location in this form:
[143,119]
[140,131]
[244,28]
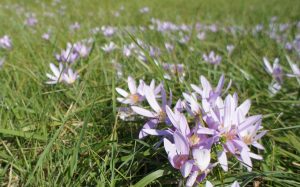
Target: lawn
[71,128]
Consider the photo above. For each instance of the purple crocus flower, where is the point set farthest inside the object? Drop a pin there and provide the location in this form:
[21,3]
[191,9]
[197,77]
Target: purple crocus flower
[212,58]
[68,55]
[206,91]
[56,77]
[230,48]
[108,31]
[46,36]
[295,69]
[158,115]
[136,94]
[201,35]
[275,70]
[75,26]
[111,46]
[5,42]
[144,10]
[83,48]
[61,74]
[31,20]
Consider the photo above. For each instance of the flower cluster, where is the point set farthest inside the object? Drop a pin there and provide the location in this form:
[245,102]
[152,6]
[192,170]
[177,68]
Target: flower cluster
[197,136]
[64,72]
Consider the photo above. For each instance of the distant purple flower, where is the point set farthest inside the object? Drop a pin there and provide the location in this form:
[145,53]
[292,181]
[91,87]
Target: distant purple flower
[213,28]
[169,47]
[201,35]
[144,10]
[5,42]
[288,46]
[275,70]
[31,20]
[83,48]
[75,26]
[295,69]
[111,46]
[154,52]
[230,48]
[68,55]
[212,58]
[46,36]
[108,31]
[69,76]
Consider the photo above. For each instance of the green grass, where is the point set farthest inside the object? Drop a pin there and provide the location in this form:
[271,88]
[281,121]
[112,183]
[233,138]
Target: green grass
[71,136]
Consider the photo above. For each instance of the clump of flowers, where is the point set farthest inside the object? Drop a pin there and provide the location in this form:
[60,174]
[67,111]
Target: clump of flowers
[201,130]
[212,58]
[64,72]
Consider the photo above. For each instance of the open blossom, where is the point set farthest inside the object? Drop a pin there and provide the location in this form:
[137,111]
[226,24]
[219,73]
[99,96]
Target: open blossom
[136,94]
[31,20]
[75,26]
[108,31]
[212,58]
[56,77]
[156,115]
[230,48]
[5,42]
[83,48]
[67,55]
[201,35]
[295,69]
[61,74]
[275,70]
[46,36]
[111,46]
[144,10]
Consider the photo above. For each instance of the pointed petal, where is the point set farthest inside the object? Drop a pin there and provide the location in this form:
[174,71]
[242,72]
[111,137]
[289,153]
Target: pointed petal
[122,92]
[131,85]
[222,158]
[149,93]
[186,168]
[208,184]
[192,179]
[246,159]
[181,143]
[268,66]
[202,158]
[143,112]
[235,184]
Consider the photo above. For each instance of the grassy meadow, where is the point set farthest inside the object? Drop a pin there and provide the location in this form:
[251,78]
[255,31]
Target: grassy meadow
[72,134]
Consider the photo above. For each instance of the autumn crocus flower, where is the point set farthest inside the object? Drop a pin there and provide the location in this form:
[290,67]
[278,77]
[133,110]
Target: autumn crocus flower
[68,55]
[5,42]
[135,95]
[206,91]
[158,115]
[56,77]
[275,70]
[83,48]
[61,74]
[69,76]
[109,47]
[230,48]
[212,58]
